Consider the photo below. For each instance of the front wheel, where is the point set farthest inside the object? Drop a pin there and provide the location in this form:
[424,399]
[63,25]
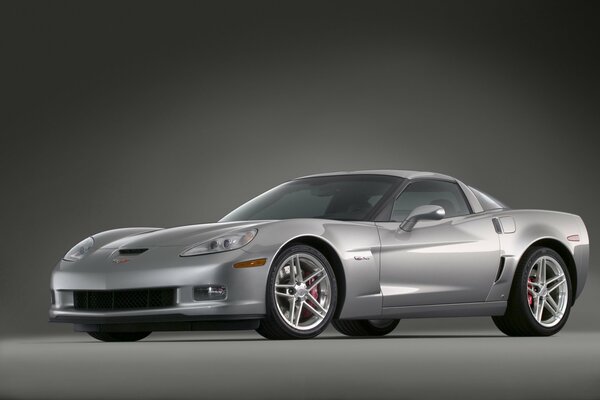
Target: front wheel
[540,298]
[365,327]
[119,336]
[301,295]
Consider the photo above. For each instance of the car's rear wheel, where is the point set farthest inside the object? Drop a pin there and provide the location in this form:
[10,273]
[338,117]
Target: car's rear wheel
[540,298]
[365,327]
[119,336]
[301,295]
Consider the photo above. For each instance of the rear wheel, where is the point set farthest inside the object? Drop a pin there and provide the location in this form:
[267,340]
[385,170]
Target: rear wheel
[119,336]
[540,298]
[365,327]
[301,295]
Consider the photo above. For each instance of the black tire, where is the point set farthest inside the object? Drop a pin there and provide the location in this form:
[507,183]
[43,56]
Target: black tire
[119,336]
[364,327]
[518,319]
[273,326]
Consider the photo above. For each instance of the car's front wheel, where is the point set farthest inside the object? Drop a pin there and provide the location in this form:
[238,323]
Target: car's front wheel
[119,336]
[301,295]
[540,298]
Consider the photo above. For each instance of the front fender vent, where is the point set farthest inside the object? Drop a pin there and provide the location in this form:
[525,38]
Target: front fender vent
[500,269]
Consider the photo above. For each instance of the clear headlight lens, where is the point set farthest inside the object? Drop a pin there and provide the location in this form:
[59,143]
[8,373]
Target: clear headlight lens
[79,250]
[227,242]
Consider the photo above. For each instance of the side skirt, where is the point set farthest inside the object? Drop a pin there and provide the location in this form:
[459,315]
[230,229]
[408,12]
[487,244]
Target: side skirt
[481,309]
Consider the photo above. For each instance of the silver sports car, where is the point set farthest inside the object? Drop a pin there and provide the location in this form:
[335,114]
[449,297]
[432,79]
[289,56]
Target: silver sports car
[358,249]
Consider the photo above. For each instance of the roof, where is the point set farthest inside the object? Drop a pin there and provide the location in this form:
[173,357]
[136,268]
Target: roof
[406,174]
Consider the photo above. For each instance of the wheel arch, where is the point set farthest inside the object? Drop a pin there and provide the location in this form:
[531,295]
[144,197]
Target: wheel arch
[563,252]
[331,255]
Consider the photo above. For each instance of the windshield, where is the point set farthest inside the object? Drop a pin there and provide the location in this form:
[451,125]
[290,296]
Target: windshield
[341,197]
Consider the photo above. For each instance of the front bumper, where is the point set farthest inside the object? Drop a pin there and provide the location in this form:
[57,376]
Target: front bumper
[158,268]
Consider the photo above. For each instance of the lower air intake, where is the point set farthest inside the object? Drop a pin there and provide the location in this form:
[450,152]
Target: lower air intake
[123,299]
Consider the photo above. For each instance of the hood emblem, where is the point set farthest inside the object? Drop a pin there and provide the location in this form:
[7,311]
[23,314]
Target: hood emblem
[120,260]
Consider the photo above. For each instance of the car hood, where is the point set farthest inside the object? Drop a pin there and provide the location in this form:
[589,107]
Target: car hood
[181,235]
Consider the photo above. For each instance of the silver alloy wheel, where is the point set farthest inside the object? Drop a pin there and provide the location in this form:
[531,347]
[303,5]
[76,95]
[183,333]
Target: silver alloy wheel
[547,291]
[302,291]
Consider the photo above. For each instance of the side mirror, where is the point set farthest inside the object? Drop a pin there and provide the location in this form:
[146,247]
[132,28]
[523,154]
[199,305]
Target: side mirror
[429,212]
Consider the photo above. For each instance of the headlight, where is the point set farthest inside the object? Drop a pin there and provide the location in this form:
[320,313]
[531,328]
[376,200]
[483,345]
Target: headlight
[223,243]
[79,250]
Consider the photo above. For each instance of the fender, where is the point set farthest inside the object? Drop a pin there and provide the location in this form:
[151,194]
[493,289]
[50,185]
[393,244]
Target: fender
[531,226]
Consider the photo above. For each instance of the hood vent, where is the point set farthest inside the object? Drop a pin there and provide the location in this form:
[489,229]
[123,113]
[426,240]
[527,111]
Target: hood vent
[131,252]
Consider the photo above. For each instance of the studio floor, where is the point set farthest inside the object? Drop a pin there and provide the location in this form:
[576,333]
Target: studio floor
[404,365]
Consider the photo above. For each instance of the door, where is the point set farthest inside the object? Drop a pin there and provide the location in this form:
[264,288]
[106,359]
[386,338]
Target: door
[453,260]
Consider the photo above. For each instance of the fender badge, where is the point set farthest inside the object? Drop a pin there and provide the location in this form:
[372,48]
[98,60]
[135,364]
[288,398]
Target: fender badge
[361,258]
[120,260]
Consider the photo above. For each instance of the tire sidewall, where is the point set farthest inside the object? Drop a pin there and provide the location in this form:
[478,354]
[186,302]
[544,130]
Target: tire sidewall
[376,330]
[520,296]
[272,312]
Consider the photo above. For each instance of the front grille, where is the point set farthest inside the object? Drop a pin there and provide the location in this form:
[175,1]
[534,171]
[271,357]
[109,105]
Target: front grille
[123,299]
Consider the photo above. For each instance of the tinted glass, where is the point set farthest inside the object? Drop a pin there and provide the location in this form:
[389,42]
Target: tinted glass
[487,202]
[445,194]
[346,197]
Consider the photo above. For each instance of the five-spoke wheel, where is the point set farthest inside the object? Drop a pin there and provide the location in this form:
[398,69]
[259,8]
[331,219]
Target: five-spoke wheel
[548,292]
[301,295]
[540,297]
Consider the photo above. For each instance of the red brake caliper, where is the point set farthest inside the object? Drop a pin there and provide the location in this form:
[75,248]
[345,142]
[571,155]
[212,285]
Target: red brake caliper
[529,296]
[315,293]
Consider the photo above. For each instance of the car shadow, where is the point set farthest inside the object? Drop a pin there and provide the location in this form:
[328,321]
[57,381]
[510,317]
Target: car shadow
[334,338]
[226,339]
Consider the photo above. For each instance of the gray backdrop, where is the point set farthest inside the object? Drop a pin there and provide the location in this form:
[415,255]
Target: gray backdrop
[145,114]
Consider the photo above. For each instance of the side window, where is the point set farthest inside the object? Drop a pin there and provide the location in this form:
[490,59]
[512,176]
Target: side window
[440,193]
